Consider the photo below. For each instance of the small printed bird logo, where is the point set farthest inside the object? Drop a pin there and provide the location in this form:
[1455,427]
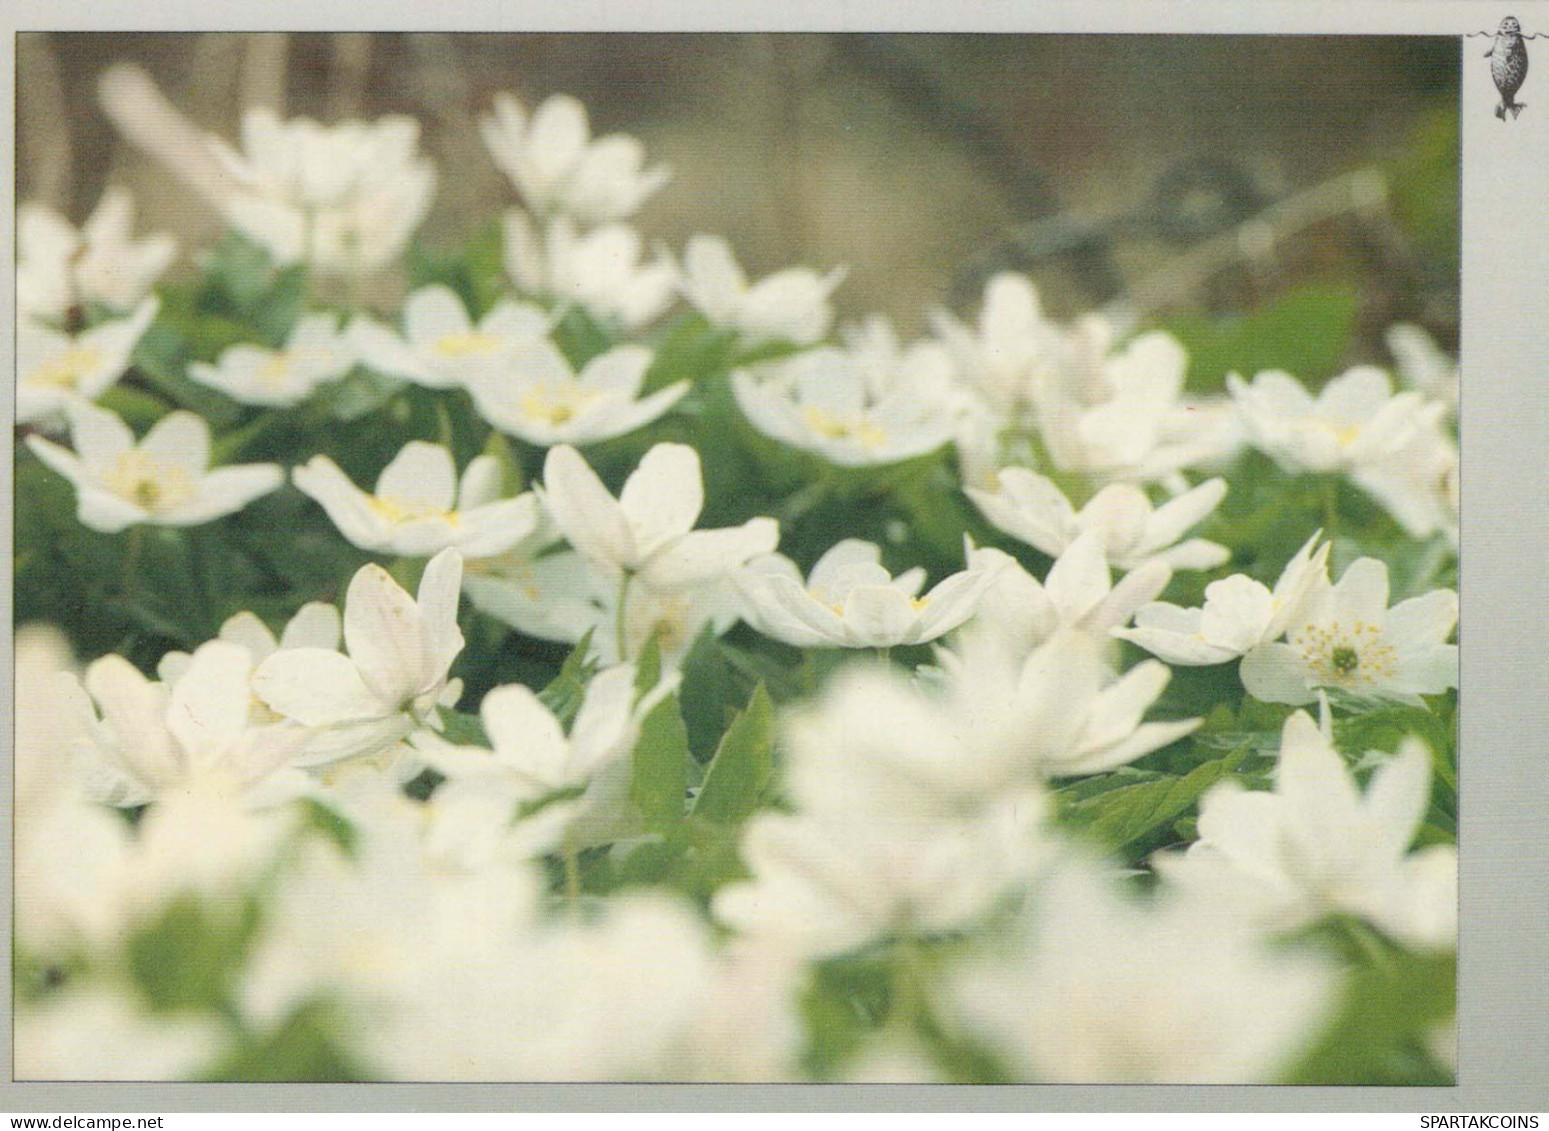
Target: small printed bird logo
[1508,65]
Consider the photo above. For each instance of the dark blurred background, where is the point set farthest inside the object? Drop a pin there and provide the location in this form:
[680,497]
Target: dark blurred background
[1178,177]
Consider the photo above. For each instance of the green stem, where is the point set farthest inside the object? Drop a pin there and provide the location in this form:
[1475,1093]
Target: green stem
[572,874]
[908,1006]
[621,636]
[132,555]
[885,655]
[1330,507]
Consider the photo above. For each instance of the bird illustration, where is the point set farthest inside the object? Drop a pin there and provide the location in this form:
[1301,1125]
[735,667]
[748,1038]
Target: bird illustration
[1508,66]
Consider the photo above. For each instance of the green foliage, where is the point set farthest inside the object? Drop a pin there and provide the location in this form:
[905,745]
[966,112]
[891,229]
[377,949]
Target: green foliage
[661,760]
[1304,332]
[191,956]
[309,1046]
[1126,806]
[568,690]
[743,764]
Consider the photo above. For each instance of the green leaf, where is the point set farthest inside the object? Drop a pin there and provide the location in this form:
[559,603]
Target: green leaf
[564,694]
[660,766]
[191,955]
[743,764]
[308,1046]
[714,689]
[1305,332]
[648,668]
[498,448]
[1122,815]
[464,730]
[1382,1032]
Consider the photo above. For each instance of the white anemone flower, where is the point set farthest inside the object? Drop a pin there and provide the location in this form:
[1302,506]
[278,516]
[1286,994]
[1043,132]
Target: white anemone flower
[59,267]
[532,758]
[314,352]
[315,625]
[1002,357]
[420,507]
[1356,421]
[790,305]
[106,1032]
[164,480]
[400,649]
[1345,637]
[602,270]
[1239,613]
[542,400]
[55,369]
[557,167]
[441,347]
[649,529]
[1417,483]
[1423,364]
[1100,989]
[343,198]
[206,729]
[1318,846]
[866,404]
[850,601]
[1031,508]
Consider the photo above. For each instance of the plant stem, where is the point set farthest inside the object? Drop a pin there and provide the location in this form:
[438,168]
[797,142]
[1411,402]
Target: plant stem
[621,635]
[1330,507]
[132,555]
[907,1007]
[885,655]
[572,874]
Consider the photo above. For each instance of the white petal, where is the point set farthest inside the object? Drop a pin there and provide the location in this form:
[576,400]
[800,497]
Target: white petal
[663,497]
[583,509]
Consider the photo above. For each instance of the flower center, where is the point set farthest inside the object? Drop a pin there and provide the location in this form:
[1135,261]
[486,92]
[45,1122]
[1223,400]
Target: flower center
[474,343]
[1357,656]
[557,405]
[149,484]
[273,373]
[834,427]
[395,509]
[66,370]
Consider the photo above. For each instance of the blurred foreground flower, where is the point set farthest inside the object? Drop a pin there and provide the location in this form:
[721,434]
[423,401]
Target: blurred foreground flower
[790,305]
[314,353]
[164,480]
[601,271]
[420,508]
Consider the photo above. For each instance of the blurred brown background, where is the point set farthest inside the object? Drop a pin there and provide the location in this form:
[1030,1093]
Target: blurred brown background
[1099,163]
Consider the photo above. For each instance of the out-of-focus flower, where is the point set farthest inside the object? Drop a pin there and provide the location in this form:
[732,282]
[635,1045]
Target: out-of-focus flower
[420,508]
[396,674]
[868,403]
[1318,846]
[1031,507]
[850,600]
[206,730]
[103,1032]
[649,529]
[601,270]
[558,168]
[542,400]
[1418,483]
[55,369]
[1423,364]
[59,267]
[164,480]
[315,625]
[532,758]
[313,353]
[1005,356]
[343,198]
[1239,613]
[1346,637]
[1356,421]
[790,305]
[441,347]
[1108,991]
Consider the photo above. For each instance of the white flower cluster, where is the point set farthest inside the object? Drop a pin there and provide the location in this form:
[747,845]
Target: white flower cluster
[656,866]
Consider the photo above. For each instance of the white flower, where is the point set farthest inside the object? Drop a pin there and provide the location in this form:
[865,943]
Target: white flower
[601,270]
[441,347]
[343,198]
[869,403]
[532,757]
[1104,990]
[420,508]
[55,369]
[1239,613]
[164,480]
[315,625]
[790,305]
[58,267]
[400,650]
[553,162]
[649,529]
[104,1033]
[542,400]
[1317,845]
[1003,358]
[850,601]
[1354,422]
[1029,506]
[1078,594]
[1417,483]
[1423,364]
[1346,637]
[154,739]
[314,352]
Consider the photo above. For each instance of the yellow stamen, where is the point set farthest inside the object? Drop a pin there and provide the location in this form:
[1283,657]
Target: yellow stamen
[67,370]
[474,343]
